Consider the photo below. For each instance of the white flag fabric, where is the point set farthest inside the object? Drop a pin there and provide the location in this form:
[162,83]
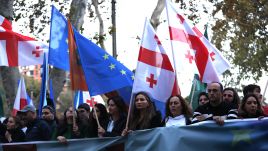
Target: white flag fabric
[209,61]
[84,97]
[19,50]
[154,73]
[22,99]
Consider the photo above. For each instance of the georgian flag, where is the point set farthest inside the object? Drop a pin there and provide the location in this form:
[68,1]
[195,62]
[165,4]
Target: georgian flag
[84,97]
[22,99]
[154,73]
[19,50]
[209,61]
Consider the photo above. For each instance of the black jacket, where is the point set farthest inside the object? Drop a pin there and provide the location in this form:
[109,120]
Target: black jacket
[119,126]
[154,122]
[17,135]
[38,130]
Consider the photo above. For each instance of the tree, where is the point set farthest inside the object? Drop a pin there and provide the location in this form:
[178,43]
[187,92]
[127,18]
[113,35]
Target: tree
[244,26]
[10,75]
[36,21]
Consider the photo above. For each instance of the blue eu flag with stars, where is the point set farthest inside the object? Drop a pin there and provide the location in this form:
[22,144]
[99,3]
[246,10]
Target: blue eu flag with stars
[103,73]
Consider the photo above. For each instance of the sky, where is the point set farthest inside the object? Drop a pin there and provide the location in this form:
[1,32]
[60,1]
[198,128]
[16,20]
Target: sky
[130,23]
[130,17]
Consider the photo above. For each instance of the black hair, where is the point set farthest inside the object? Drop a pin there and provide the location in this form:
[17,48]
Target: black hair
[84,106]
[250,88]
[120,104]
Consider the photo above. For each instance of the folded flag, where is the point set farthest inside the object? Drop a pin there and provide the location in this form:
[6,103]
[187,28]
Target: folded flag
[58,44]
[77,78]
[22,99]
[43,90]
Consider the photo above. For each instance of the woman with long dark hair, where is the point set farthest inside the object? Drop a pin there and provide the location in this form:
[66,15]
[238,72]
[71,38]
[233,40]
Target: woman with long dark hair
[178,113]
[250,107]
[13,132]
[118,112]
[144,114]
[103,118]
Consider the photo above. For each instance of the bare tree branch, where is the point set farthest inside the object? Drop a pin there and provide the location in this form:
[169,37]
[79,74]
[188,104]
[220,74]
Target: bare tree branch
[101,29]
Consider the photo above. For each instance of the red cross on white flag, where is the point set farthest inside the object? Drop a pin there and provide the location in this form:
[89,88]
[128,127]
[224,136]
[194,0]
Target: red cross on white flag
[91,102]
[17,50]
[151,80]
[209,62]
[154,73]
[37,52]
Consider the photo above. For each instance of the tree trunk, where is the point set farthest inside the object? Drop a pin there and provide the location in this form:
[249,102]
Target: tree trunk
[77,13]
[9,75]
[101,30]
[155,18]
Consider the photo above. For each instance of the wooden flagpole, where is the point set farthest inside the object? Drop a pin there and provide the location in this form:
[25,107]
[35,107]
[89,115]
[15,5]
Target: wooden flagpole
[95,112]
[129,111]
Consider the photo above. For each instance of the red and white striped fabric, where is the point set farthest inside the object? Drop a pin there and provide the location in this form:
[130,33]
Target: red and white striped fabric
[209,61]
[154,73]
[5,23]
[19,50]
[21,98]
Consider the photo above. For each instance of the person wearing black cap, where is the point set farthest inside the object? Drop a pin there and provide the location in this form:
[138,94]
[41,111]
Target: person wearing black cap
[48,114]
[37,130]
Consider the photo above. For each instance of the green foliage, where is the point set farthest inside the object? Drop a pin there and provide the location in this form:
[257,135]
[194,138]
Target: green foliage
[244,25]
[33,88]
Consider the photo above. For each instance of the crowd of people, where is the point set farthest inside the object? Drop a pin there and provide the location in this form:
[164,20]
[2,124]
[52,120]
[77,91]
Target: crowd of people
[218,105]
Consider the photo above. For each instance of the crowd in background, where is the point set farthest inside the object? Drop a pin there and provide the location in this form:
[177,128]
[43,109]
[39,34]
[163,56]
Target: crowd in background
[217,104]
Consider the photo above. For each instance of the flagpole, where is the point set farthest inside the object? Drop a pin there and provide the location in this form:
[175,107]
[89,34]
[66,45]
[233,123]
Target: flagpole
[264,92]
[95,112]
[129,109]
[172,48]
[192,97]
[131,97]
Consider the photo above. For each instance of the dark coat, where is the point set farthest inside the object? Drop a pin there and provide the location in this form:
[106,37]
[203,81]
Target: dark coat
[38,130]
[154,122]
[17,135]
[119,126]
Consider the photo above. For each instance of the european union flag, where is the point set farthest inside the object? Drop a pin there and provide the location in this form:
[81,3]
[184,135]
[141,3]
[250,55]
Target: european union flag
[58,45]
[103,73]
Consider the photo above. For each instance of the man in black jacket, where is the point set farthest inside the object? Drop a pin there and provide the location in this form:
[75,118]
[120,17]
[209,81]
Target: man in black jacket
[216,109]
[37,130]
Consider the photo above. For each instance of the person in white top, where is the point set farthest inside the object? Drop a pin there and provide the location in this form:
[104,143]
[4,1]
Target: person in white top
[118,115]
[178,112]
